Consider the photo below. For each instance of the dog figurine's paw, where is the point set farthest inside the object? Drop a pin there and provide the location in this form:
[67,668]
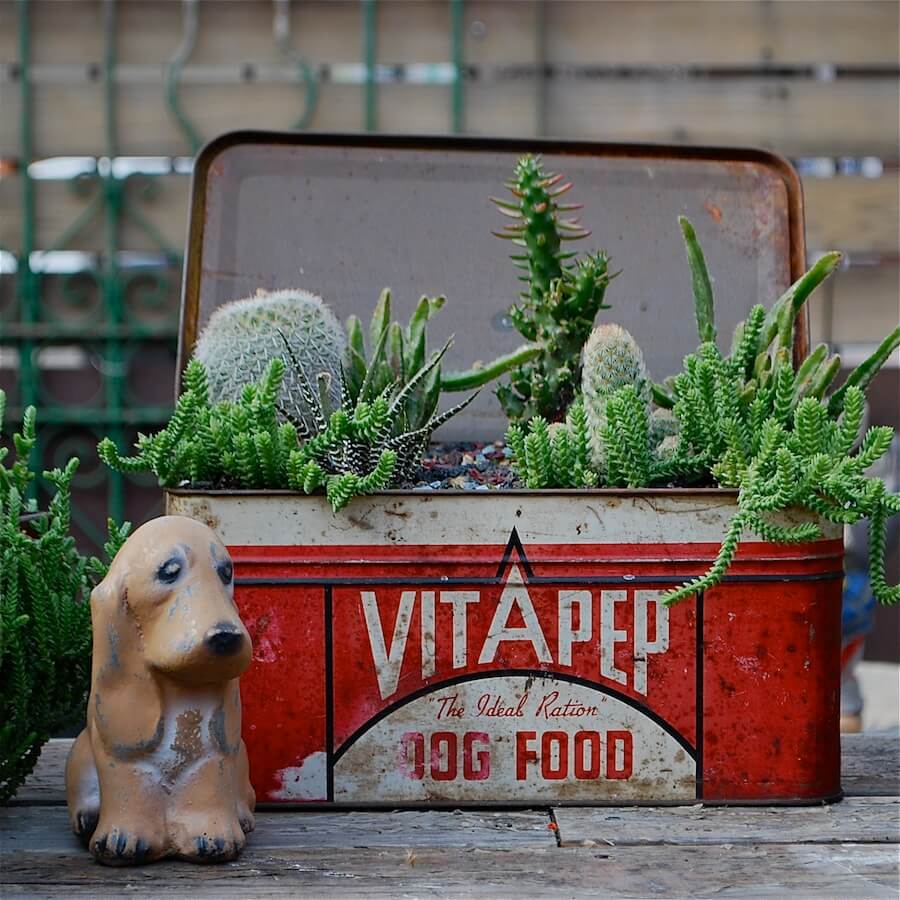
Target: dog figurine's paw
[118,846]
[214,847]
[84,823]
[248,822]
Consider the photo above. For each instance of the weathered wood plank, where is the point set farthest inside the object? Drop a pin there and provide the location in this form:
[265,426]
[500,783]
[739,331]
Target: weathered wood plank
[857,305]
[796,118]
[46,829]
[870,765]
[844,117]
[730,34]
[848,870]
[625,32]
[853,214]
[858,820]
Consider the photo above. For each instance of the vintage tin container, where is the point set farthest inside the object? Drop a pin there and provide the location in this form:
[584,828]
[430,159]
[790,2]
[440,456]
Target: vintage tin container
[435,648]
[442,648]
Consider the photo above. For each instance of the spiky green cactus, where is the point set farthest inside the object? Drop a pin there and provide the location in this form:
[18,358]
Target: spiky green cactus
[45,619]
[562,298]
[243,337]
[612,359]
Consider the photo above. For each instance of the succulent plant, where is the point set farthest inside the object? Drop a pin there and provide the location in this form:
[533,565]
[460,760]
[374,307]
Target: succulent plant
[243,337]
[612,359]
[353,448]
[368,432]
[397,353]
[562,298]
[556,455]
[45,619]
[756,420]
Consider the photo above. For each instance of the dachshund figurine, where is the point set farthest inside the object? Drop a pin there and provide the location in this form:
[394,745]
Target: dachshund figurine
[160,769]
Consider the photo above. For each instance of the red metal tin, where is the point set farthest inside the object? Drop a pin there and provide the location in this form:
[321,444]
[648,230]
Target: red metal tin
[509,648]
[441,648]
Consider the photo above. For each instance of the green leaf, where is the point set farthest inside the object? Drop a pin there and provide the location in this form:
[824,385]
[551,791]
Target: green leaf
[704,304]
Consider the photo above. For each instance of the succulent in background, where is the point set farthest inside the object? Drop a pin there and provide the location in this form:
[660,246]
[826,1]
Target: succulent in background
[612,360]
[403,352]
[243,337]
[45,619]
[562,298]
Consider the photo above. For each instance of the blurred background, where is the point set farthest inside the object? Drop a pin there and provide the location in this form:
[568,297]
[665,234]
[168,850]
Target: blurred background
[104,104]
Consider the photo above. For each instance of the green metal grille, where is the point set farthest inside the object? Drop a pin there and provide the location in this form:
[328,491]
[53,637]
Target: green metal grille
[91,343]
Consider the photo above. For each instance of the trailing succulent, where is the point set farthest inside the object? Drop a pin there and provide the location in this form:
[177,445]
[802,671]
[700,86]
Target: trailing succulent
[358,447]
[752,420]
[45,620]
[562,298]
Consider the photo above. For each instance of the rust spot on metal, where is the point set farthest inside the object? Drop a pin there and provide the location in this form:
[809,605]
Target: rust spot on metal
[714,212]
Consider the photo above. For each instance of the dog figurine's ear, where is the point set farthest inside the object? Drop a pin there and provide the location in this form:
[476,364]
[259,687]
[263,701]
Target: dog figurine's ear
[125,707]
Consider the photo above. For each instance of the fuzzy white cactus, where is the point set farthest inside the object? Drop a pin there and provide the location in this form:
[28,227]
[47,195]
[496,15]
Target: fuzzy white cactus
[612,359]
[244,336]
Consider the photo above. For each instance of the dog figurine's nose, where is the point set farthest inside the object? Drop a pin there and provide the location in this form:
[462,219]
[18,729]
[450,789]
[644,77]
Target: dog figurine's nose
[224,639]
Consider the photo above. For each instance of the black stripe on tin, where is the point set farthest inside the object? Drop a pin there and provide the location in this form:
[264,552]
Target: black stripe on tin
[698,694]
[329,696]
[439,581]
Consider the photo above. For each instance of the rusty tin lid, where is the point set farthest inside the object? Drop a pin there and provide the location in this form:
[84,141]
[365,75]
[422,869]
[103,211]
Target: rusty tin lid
[345,216]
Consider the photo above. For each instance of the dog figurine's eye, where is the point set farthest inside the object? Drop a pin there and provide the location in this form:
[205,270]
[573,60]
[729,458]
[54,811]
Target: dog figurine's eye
[226,572]
[169,571]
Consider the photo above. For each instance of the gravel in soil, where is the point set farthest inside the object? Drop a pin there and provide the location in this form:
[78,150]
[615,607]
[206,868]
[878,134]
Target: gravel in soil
[467,467]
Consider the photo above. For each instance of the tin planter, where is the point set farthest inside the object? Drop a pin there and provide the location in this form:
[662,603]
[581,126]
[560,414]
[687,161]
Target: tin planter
[430,648]
[447,648]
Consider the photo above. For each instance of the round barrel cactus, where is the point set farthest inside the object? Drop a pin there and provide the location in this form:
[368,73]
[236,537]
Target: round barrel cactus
[244,336]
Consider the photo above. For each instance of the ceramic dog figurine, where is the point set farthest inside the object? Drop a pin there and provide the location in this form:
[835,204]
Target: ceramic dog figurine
[161,770]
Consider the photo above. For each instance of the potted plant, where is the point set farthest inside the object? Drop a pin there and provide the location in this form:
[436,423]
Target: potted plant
[45,620]
[650,614]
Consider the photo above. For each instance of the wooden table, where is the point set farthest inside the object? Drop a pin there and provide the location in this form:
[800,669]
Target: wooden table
[848,849]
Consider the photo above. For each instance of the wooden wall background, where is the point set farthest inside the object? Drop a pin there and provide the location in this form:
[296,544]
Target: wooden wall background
[808,79]
[816,81]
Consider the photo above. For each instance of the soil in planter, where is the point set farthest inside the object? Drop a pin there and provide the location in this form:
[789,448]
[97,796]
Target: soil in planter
[468,467]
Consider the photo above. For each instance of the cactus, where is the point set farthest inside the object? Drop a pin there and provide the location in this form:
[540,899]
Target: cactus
[562,298]
[45,620]
[612,360]
[244,336]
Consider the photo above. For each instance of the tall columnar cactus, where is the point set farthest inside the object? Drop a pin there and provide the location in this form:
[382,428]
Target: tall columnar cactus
[45,620]
[244,336]
[562,298]
[612,360]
